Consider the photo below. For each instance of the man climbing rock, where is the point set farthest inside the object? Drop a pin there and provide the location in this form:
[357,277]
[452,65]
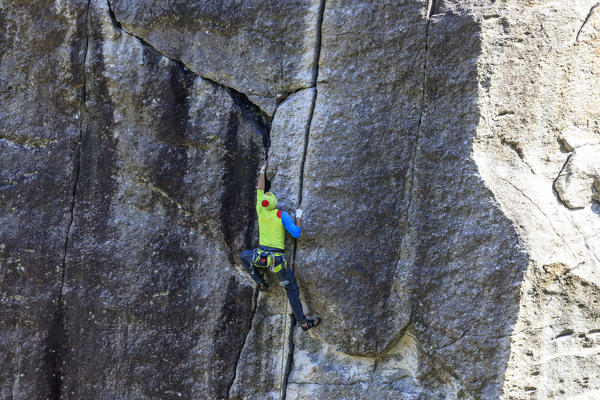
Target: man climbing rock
[270,253]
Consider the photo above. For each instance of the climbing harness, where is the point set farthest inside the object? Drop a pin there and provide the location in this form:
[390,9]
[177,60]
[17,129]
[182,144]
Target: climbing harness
[274,260]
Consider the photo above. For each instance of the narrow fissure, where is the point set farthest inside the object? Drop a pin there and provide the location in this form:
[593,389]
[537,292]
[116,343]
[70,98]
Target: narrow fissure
[290,357]
[585,21]
[241,99]
[262,121]
[315,77]
[239,355]
[258,116]
[253,113]
[56,335]
[430,11]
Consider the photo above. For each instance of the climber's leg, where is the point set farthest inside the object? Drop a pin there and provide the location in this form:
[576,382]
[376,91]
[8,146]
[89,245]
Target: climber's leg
[246,257]
[288,281]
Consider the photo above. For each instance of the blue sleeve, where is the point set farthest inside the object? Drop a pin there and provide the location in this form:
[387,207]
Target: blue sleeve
[292,228]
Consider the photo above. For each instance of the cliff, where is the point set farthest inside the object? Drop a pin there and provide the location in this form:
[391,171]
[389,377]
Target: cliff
[446,154]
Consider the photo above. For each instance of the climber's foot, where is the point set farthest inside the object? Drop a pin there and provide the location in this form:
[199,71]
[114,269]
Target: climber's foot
[310,323]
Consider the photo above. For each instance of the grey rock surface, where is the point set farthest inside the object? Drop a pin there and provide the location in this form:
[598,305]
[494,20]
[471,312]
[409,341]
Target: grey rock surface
[445,153]
[151,289]
[263,366]
[579,181]
[41,63]
[354,132]
[260,47]
[286,153]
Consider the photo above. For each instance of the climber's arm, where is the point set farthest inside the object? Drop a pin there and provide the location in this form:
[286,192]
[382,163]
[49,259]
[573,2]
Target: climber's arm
[261,178]
[260,187]
[289,225]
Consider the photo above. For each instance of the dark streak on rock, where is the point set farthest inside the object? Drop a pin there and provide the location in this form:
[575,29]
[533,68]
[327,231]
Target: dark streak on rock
[233,213]
[423,102]
[254,114]
[57,334]
[249,327]
[290,358]
[170,164]
[564,333]
[586,20]
[226,337]
[231,220]
[556,194]
[236,168]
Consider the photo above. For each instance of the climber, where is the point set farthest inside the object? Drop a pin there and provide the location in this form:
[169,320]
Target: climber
[270,253]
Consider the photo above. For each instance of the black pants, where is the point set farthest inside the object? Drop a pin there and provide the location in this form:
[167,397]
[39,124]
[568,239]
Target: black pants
[286,279]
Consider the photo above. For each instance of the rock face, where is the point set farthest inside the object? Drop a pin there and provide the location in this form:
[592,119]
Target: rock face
[578,184]
[445,153]
[175,208]
[260,47]
[42,50]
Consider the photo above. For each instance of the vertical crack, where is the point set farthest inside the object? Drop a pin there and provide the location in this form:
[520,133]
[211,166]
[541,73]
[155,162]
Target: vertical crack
[262,121]
[239,355]
[56,334]
[290,358]
[430,11]
[431,7]
[314,79]
[315,76]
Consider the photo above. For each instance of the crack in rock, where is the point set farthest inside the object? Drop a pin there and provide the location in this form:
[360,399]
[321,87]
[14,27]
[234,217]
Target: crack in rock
[587,18]
[239,356]
[57,330]
[315,77]
[415,150]
[235,94]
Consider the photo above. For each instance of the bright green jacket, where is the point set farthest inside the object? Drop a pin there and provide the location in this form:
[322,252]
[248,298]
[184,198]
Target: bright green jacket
[270,227]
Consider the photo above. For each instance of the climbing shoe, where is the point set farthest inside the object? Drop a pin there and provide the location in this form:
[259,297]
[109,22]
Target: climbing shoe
[310,323]
[263,287]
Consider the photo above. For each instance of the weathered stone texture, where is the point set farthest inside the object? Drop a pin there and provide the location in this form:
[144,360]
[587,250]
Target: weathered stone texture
[264,361]
[461,261]
[151,288]
[445,152]
[538,77]
[41,60]
[578,184]
[356,133]
[260,47]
